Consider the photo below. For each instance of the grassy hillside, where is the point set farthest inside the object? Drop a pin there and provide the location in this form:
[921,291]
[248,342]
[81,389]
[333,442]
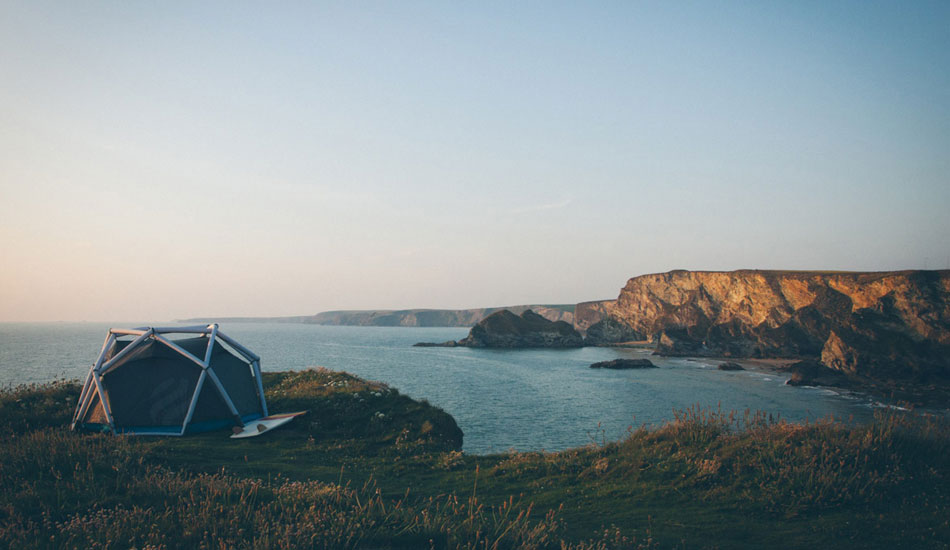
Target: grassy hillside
[371,468]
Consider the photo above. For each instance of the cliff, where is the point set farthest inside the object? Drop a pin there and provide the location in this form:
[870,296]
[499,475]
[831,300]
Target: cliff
[504,329]
[884,325]
[587,314]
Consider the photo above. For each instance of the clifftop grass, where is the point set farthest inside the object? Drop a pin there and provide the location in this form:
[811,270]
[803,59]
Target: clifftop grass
[371,468]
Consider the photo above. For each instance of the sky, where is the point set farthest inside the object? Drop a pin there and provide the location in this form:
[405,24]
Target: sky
[164,160]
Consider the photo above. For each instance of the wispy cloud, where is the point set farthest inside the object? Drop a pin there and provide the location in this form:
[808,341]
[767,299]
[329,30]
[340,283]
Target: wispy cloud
[542,207]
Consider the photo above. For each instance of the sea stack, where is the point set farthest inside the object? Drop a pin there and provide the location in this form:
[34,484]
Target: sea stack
[504,329]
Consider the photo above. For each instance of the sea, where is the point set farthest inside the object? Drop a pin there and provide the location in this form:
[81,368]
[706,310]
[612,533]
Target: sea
[525,400]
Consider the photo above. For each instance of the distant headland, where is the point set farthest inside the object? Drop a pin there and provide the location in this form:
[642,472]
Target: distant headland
[405,317]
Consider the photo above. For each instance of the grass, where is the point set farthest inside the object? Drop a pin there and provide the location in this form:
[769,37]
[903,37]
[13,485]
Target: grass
[371,468]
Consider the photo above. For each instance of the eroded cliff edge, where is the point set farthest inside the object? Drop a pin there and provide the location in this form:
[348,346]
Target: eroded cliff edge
[881,325]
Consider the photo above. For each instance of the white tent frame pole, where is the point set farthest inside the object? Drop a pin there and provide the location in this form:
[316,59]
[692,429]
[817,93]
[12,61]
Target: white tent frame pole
[104,402]
[81,404]
[82,395]
[125,351]
[85,399]
[179,349]
[127,331]
[196,329]
[251,356]
[110,343]
[106,344]
[256,365]
[214,332]
[194,401]
[130,350]
[224,395]
[83,409]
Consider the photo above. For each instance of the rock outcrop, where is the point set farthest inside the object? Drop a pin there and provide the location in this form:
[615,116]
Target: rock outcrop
[813,373]
[730,366]
[504,329]
[449,344]
[625,364]
[886,325]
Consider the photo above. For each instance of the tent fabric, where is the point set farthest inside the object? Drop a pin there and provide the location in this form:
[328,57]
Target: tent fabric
[151,392]
[234,375]
[96,414]
[152,388]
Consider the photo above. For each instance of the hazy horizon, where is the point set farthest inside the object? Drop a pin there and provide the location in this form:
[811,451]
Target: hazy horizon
[162,161]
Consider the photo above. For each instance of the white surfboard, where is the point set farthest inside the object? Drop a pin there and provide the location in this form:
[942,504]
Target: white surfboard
[265,424]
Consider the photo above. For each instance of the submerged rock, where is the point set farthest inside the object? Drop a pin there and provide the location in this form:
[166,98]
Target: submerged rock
[449,344]
[730,366]
[622,364]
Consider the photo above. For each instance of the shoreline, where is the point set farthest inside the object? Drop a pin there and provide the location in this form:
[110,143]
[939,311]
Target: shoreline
[909,396]
[929,399]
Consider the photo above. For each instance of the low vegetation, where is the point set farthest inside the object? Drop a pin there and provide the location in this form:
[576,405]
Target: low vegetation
[371,468]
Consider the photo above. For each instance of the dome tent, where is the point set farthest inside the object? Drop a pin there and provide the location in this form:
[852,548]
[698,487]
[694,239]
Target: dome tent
[144,382]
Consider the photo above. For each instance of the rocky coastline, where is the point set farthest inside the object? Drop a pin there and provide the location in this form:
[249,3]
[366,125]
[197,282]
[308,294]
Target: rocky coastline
[884,332]
[867,329]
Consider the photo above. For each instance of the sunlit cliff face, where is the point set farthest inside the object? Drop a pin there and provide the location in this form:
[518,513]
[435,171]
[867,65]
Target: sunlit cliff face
[862,323]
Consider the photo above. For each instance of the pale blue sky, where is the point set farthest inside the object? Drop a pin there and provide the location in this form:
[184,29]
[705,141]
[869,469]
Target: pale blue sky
[161,160]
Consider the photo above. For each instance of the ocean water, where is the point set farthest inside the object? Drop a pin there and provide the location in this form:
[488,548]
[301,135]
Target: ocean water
[534,399]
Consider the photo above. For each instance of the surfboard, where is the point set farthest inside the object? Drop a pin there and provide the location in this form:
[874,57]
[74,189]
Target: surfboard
[265,424]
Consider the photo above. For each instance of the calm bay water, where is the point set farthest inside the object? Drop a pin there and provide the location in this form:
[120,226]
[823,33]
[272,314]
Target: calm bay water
[502,399]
